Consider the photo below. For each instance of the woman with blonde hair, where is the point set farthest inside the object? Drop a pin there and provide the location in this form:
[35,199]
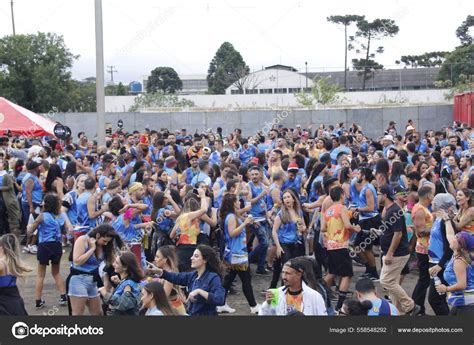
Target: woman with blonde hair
[11,268]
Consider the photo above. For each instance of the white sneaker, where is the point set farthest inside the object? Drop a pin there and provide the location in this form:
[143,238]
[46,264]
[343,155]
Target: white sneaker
[225,309]
[256,309]
[26,249]
[33,249]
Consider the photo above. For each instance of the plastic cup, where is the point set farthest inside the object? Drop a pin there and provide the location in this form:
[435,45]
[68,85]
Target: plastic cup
[274,301]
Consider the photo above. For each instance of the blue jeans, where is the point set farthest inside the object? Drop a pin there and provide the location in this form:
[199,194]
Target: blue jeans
[259,253]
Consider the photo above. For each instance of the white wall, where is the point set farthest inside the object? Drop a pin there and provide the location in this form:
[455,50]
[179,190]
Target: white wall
[408,97]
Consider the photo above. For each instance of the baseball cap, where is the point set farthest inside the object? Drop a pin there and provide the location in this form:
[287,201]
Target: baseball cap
[388,137]
[33,163]
[388,191]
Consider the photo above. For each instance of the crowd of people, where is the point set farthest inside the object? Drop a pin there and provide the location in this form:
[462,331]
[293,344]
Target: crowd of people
[161,223]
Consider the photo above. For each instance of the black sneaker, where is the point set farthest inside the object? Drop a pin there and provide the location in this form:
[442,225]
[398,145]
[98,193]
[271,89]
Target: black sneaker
[40,303]
[262,272]
[415,311]
[63,300]
[269,268]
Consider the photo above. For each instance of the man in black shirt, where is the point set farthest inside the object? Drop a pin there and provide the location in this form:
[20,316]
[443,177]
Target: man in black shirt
[394,246]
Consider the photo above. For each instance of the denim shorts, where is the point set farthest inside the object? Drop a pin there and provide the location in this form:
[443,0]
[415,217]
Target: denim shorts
[83,285]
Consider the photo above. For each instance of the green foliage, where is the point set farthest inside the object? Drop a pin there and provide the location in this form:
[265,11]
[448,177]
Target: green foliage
[432,59]
[459,62]
[462,31]
[226,68]
[164,79]
[82,98]
[323,92]
[35,72]
[159,100]
[464,84]
[121,90]
[367,32]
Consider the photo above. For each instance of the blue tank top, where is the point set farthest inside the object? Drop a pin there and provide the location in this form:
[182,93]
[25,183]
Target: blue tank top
[353,193]
[273,186]
[50,229]
[295,184]
[102,182]
[92,262]
[313,193]
[82,213]
[164,223]
[127,233]
[436,246]
[235,247]
[135,288]
[7,281]
[363,202]
[190,173]
[36,194]
[258,209]
[460,298]
[71,198]
[288,232]
[148,200]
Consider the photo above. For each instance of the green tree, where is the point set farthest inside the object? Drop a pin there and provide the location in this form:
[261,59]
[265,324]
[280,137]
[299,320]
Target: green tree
[459,62]
[225,69]
[159,100]
[35,71]
[163,79]
[432,59]
[121,90]
[323,92]
[82,97]
[462,31]
[346,21]
[367,32]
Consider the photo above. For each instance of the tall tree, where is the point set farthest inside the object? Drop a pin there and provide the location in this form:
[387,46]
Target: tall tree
[462,31]
[121,91]
[35,71]
[457,64]
[225,69]
[346,21]
[367,32]
[164,79]
[432,59]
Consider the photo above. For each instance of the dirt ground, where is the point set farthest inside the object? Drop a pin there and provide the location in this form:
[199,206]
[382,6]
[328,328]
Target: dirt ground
[236,301]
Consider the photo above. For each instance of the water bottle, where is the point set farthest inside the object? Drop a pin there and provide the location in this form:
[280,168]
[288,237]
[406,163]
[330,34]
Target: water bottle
[437,282]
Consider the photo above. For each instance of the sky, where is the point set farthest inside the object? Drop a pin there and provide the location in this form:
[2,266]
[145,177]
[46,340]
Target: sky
[140,35]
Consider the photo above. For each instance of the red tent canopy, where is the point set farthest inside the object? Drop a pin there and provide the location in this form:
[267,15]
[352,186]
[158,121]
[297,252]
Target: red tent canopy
[19,120]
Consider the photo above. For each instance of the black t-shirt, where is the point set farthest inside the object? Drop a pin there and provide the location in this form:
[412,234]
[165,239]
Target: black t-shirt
[394,221]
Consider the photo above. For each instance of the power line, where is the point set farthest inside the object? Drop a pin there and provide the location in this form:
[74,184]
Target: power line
[111,70]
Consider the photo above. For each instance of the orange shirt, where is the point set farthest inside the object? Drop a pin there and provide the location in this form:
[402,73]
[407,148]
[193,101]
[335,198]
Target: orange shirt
[423,242]
[336,236]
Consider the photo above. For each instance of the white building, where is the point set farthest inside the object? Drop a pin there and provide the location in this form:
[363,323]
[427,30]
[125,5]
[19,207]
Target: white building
[277,79]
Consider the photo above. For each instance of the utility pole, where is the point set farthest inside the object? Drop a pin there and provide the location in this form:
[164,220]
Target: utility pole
[99,62]
[13,19]
[306,75]
[111,70]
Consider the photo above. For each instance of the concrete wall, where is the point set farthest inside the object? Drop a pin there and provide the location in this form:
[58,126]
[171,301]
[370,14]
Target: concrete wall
[228,102]
[373,120]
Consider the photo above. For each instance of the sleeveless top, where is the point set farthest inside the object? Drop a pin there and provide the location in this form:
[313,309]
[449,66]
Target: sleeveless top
[259,208]
[190,173]
[82,212]
[288,232]
[92,262]
[423,242]
[7,280]
[336,236]
[436,244]
[469,227]
[460,298]
[188,233]
[36,194]
[353,193]
[164,223]
[235,252]
[363,202]
[273,186]
[50,229]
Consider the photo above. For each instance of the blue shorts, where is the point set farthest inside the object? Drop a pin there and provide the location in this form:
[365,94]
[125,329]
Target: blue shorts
[83,285]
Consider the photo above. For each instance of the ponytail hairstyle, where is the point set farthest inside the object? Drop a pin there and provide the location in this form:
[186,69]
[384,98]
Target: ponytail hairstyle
[11,248]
